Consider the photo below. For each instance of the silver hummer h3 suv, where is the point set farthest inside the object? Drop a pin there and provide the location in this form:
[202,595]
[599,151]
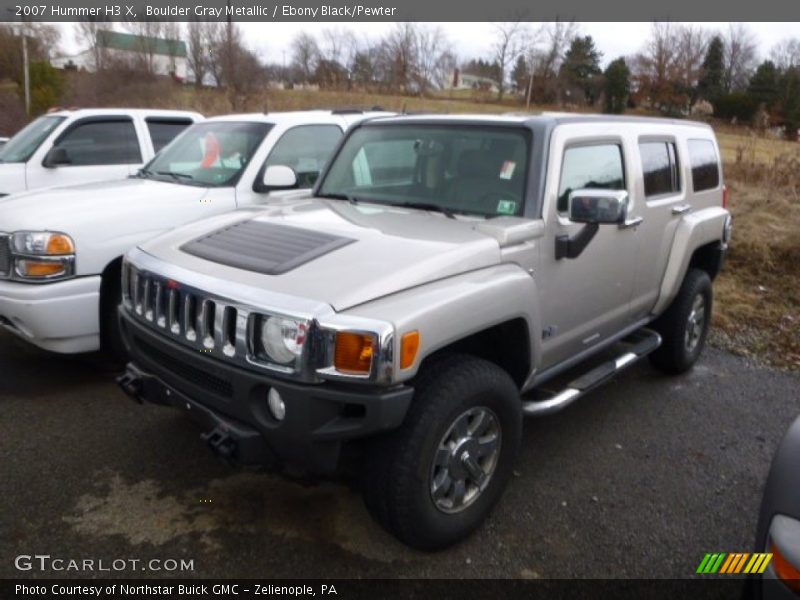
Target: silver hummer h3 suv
[445,277]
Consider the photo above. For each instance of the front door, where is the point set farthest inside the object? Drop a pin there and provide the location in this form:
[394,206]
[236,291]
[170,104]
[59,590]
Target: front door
[95,149]
[584,300]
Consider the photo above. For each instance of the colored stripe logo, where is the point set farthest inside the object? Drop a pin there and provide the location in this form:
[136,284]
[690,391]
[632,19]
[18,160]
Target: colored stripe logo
[734,563]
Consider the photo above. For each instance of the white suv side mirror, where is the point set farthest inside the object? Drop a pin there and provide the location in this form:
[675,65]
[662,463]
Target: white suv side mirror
[279,177]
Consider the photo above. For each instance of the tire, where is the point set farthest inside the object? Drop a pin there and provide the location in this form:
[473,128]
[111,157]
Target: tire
[457,395]
[111,344]
[682,332]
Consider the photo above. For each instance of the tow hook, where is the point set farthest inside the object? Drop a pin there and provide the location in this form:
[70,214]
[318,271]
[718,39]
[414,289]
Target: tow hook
[131,384]
[220,442]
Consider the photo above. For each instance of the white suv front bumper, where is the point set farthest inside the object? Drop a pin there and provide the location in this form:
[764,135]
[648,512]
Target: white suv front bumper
[61,316]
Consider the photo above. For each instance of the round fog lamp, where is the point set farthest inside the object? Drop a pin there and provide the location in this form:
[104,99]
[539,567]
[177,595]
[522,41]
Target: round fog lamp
[276,405]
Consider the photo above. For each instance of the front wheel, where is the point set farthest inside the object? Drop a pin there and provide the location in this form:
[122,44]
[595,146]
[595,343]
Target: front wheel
[684,325]
[434,480]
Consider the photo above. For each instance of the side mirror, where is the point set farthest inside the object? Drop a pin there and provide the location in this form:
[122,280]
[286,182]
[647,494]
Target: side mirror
[278,177]
[598,206]
[56,157]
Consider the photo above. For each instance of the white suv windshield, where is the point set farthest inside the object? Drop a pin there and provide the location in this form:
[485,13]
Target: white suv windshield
[22,146]
[211,154]
[475,169]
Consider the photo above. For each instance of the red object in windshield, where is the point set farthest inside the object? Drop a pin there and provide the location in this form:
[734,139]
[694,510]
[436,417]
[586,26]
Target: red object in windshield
[212,151]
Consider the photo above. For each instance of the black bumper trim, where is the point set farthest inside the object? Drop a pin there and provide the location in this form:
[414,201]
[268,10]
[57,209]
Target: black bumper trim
[318,417]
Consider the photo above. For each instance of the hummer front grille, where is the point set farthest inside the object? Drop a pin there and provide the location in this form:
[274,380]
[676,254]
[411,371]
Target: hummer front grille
[5,255]
[208,324]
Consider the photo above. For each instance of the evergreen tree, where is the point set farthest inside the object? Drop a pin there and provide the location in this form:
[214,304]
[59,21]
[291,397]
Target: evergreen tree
[520,75]
[617,86]
[710,85]
[764,84]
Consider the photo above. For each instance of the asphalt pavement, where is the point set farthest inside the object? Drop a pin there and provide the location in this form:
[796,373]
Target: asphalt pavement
[639,479]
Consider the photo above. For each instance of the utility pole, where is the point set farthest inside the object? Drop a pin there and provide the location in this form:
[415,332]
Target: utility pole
[26,72]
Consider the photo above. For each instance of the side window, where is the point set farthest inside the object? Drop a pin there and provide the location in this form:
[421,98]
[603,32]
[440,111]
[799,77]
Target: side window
[598,166]
[102,143]
[163,131]
[660,168]
[305,149]
[705,165]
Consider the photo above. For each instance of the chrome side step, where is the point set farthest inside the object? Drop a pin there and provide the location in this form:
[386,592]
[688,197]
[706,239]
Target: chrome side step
[641,343]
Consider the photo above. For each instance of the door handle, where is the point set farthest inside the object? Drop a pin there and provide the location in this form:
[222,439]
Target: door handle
[631,223]
[679,210]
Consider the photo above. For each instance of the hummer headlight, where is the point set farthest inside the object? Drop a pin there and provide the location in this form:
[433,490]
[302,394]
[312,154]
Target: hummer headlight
[283,338]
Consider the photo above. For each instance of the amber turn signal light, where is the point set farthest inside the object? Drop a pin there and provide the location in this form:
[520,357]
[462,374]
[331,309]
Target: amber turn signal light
[59,244]
[784,570]
[409,346]
[37,268]
[353,353]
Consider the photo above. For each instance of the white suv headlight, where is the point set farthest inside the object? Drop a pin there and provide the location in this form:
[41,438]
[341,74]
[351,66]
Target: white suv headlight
[42,255]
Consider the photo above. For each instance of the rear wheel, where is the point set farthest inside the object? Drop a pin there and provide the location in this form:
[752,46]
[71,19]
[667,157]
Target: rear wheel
[434,480]
[684,325]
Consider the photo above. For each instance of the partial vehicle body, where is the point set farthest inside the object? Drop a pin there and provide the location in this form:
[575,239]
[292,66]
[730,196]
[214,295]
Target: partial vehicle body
[779,522]
[68,147]
[61,248]
[413,306]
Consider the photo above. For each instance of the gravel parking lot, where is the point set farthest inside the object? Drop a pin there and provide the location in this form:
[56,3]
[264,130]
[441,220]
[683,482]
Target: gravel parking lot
[639,479]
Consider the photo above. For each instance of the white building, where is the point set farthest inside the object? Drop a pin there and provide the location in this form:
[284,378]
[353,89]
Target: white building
[467,81]
[161,56]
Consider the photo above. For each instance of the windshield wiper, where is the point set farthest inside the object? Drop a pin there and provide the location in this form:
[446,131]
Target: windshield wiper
[428,206]
[348,197]
[175,176]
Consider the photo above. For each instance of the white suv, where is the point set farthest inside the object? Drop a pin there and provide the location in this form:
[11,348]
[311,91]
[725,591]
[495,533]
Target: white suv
[67,147]
[61,249]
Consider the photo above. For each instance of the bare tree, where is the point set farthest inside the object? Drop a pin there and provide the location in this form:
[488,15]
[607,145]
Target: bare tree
[506,47]
[545,48]
[396,57]
[434,59]
[148,35]
[786,53]
[305,54]
[199,38]
[741,55]
[692,43]
[86,32]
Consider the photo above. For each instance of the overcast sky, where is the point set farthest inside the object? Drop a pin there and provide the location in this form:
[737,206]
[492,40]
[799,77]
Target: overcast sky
[272,40]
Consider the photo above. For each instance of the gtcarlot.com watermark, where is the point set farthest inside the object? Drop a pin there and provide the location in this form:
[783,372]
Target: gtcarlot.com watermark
[48,563]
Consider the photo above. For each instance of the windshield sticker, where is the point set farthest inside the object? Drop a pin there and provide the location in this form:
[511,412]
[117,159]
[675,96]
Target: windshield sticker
[507,170]
[506,207]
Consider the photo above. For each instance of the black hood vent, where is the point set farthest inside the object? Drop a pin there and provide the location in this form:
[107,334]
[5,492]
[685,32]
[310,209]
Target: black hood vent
[264,247]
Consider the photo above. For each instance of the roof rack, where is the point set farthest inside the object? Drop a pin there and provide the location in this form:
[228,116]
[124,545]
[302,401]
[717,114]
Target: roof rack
[352,110]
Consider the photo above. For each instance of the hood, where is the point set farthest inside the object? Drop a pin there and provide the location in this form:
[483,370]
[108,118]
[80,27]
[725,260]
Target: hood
[12,178]
[89,205]
[360,252]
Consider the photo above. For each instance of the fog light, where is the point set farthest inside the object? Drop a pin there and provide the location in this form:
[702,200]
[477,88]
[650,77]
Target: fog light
[276,405]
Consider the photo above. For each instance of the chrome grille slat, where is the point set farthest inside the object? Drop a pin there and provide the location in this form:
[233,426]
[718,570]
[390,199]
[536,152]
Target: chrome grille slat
[174,312]
[189,316]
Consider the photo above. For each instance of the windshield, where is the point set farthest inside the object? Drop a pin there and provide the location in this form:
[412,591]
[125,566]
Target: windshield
[478,170]
[22,146]
[211,154]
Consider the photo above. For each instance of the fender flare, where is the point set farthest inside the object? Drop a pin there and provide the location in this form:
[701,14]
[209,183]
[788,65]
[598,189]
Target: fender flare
[694,230]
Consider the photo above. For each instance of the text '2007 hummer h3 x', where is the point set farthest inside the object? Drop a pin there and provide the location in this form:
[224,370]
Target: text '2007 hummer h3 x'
[446,277]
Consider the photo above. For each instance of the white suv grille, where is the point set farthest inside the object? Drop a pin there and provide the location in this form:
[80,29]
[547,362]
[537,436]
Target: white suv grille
[5,256]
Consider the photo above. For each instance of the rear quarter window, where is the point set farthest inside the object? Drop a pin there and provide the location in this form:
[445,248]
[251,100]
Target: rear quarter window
[705,165]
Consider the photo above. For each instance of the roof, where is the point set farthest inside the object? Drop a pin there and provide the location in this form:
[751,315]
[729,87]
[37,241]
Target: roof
[129,42]
[300,116]
[143,112]
[532,119]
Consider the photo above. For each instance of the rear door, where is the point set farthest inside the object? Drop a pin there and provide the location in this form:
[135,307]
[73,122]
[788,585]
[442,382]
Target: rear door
[585,300]
[97,149]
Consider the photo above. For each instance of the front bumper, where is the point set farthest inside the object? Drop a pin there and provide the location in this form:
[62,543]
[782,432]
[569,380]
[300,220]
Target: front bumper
[61,316]
[231,403]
